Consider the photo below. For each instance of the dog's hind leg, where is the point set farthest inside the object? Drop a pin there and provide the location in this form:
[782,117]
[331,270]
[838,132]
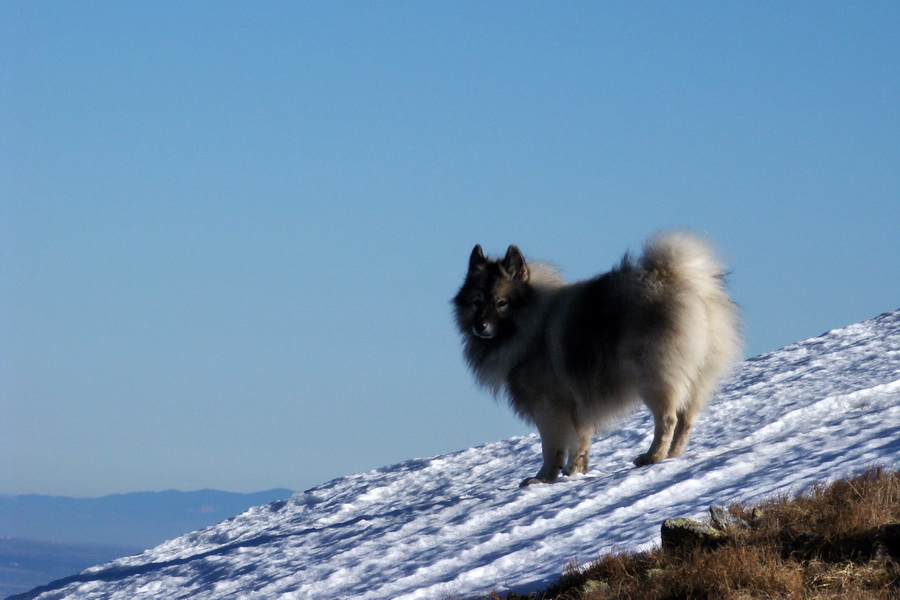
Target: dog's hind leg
[663,401]
[682,431]
[664,429]
[701,390]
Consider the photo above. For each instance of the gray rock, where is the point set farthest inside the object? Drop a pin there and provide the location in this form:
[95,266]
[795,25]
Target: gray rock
[722,519]
[685,533]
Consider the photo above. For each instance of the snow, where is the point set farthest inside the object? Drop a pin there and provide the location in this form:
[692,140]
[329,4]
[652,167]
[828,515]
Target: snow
[458,526]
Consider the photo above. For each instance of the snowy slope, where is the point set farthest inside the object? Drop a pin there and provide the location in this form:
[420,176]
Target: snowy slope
[458,525]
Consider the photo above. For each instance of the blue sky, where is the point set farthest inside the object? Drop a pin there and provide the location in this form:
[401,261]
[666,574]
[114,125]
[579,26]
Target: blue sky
[230,232]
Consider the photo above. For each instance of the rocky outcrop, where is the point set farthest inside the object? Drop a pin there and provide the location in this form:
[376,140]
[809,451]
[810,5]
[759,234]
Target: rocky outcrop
[679,534]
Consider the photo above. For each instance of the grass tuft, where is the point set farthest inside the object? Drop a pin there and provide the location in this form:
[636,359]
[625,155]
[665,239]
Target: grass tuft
[837,541]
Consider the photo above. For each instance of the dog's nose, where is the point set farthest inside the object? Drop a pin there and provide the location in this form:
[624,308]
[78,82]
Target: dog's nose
[483,330]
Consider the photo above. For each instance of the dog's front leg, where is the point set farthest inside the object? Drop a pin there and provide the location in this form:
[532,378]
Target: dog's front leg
[553,464]
[557,435]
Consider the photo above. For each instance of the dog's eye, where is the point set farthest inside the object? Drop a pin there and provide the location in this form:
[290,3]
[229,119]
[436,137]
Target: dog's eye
[476,303]
[502,303]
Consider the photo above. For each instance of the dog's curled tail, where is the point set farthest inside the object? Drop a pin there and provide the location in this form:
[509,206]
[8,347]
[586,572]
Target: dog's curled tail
[689,263]
[682,256]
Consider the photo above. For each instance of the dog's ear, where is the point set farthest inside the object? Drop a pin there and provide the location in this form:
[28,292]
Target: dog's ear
[514,264]
[476,260]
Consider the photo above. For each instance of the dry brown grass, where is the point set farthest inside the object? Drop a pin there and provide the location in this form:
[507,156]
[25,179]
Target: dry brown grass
[836,541]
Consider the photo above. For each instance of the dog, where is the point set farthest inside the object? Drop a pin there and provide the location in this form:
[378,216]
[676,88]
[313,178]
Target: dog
[570,357]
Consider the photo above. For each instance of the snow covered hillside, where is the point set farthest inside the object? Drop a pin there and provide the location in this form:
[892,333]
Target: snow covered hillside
[456,526]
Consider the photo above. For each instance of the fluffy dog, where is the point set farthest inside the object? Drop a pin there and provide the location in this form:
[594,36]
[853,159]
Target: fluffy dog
[570,356]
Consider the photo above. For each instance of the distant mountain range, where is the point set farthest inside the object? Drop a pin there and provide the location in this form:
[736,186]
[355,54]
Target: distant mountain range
[46,537]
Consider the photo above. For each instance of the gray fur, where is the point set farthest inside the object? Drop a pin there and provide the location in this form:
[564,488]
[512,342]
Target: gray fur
[570,356]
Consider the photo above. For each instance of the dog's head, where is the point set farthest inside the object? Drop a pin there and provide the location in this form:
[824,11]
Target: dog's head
[493,290]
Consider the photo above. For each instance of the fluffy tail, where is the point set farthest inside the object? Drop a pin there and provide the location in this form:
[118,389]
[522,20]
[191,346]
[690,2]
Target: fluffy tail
[690,264]
[685,257]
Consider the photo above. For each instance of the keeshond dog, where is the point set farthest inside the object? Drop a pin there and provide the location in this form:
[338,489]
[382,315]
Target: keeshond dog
[571,356]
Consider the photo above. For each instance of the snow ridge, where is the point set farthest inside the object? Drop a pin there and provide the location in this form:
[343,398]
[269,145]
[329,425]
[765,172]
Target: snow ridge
[458,525]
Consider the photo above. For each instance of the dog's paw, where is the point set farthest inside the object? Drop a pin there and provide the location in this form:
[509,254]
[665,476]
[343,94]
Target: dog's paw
[646,459]
[531,481]
[578,465]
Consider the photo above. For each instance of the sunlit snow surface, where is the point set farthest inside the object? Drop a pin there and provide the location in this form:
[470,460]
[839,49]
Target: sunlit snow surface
[457,526]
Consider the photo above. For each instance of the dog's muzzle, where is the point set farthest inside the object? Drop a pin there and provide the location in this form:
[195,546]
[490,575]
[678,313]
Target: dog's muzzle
[483,330]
